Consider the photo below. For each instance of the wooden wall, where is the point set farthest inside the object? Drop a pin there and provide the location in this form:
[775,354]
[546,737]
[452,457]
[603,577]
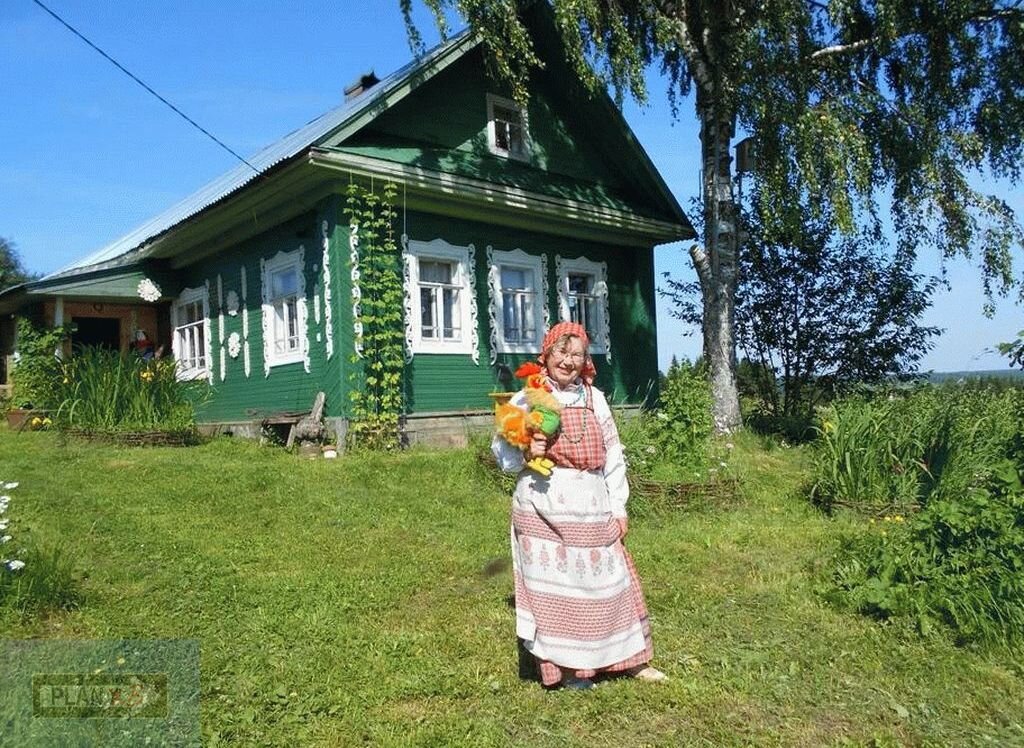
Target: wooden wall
[288,387]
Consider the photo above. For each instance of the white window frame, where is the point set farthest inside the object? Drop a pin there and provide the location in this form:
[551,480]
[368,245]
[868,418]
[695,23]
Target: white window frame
[439,250]
[492,140]
[278,263]
[536,265]
[189,296]
[566,266]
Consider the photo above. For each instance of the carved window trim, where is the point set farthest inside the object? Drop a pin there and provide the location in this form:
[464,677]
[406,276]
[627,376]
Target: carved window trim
[189,296]
[537,266]
[600,341]
[280,262]
[464,260]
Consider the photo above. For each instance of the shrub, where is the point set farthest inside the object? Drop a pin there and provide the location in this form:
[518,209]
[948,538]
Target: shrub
[37,371]
[680,429]
[795,429]
[103,390]
[892,453]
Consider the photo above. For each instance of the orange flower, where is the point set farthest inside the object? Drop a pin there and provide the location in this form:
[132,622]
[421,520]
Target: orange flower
[536,418]
[528,368]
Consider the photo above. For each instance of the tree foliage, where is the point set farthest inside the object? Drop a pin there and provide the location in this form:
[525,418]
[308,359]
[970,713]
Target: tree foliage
[818,312]
[12,271]
[1014,350]
[845,98]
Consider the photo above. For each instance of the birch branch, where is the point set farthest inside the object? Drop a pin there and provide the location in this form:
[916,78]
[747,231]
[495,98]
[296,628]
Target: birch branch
[702,265]
[698,65]
[839,49]
[981,17]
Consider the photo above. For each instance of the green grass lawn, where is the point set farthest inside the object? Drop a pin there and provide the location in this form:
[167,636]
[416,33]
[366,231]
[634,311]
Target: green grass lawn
[345,602]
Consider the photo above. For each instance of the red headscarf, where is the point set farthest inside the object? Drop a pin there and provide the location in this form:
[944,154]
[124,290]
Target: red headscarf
[577,330]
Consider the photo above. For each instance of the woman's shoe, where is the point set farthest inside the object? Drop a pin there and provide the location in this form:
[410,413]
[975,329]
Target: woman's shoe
[647,673]
[577,684]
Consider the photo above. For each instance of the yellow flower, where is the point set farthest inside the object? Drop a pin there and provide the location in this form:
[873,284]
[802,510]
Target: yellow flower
[66,380]
[36,420]
[147,375]
[47,421]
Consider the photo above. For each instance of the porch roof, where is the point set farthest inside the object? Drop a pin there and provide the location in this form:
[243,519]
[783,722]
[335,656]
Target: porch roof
[108,284]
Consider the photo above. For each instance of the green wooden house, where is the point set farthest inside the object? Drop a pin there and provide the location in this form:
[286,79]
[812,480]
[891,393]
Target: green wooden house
[509,219]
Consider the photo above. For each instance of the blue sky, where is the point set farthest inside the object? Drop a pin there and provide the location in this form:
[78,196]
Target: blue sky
[87,155]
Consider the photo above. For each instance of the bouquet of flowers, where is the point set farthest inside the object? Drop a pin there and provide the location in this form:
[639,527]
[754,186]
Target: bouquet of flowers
[516,426]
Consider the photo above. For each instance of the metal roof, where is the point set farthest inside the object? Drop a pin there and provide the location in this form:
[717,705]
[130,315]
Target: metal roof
[283,149]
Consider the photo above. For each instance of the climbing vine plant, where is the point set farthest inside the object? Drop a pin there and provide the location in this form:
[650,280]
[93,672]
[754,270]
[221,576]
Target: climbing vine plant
[377,371]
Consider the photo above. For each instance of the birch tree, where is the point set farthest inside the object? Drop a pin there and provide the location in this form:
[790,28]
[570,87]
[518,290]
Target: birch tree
[897,107]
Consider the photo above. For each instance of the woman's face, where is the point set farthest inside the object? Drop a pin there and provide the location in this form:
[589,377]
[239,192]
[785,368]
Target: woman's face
[565,362]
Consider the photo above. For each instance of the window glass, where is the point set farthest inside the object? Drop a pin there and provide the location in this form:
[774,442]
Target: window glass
[509,130]
[517,305]
[284,283]
[449,305]
[435,272]
[580,284]
[286,325]
[514,279]
[439,301]
[581,302]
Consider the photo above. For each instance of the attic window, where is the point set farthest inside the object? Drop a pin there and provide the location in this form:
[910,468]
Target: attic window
[507,133]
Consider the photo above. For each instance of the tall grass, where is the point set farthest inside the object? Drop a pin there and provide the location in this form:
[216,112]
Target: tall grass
[103,390]
[45,583]
[950,458]
[31,578]
[890,454]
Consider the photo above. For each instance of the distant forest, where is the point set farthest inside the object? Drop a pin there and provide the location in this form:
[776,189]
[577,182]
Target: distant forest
[945,376]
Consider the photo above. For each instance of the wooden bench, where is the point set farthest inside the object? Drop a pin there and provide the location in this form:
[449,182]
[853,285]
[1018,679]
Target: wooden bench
[300,423]
[289,418]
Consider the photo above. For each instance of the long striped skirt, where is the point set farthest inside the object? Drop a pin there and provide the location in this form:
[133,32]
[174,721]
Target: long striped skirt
[579,604]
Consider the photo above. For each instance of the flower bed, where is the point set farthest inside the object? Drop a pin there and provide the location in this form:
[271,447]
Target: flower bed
[121,399]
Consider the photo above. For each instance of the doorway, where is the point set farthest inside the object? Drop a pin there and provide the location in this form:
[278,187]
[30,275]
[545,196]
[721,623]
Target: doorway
[100,332]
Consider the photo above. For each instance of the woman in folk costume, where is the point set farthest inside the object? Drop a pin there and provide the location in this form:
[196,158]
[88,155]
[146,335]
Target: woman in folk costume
[579,607]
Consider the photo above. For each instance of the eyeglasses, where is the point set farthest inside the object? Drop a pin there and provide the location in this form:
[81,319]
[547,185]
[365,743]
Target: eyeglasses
[563,355]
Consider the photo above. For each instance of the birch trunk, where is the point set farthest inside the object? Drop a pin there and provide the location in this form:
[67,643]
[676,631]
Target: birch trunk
[716,264]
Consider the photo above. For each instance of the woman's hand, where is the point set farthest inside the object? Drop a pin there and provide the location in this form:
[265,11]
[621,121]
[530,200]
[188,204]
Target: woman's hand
[538,445]
[623,524]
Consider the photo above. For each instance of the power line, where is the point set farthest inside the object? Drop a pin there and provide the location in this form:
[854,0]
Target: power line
[135,78]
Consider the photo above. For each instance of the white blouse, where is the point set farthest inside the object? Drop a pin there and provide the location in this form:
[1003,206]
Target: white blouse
[511,459]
